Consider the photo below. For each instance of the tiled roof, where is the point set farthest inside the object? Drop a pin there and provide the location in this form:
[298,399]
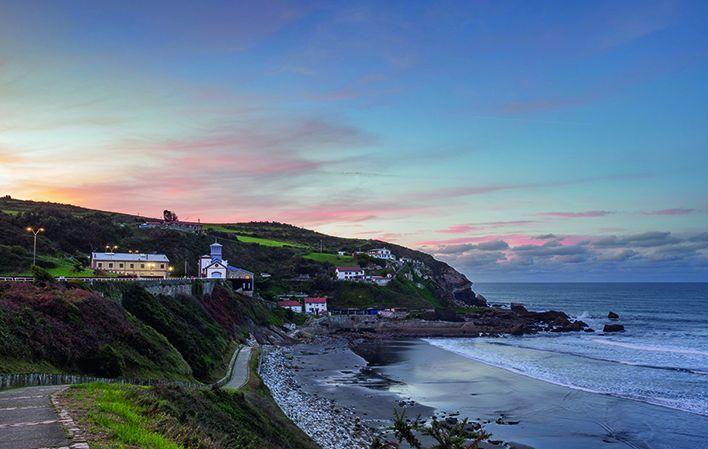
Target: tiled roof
[316,300]
[289,303]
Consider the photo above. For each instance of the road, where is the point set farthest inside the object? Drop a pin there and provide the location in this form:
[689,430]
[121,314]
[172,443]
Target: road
[28,420]
[239,376]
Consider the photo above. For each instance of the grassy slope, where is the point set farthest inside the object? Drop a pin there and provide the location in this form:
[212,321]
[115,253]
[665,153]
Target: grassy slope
[77,331]
[74,330]
[284,251]
[178,418]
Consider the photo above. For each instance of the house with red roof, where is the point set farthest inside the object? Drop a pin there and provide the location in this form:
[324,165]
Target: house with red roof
[316,306]
[295,306]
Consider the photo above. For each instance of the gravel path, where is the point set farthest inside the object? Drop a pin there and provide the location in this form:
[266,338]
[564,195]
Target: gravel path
[28,420]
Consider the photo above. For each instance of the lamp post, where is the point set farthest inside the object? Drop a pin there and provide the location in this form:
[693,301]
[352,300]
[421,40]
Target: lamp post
[111,249]
[34,247]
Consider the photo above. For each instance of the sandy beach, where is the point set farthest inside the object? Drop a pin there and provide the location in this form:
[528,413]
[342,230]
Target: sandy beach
[516,409]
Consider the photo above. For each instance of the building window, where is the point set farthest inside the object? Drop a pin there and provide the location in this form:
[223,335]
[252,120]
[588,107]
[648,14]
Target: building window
[120,265]
[100,265]
[110,265]
[142,265]
[132,265]
[162,265]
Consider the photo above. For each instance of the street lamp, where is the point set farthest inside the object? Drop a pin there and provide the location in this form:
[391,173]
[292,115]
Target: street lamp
[111,249]
[34,250]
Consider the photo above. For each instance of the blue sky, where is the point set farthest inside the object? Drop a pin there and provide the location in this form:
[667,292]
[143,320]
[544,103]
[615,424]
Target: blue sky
[467,129]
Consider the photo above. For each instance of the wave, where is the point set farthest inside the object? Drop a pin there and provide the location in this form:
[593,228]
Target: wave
[695,405]
[652,348]
[603,359]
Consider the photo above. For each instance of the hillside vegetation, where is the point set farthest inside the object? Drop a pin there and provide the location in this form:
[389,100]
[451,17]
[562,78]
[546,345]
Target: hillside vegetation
[72,329]
[297,260]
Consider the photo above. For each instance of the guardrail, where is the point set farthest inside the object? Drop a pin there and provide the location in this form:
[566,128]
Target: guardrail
[106,279]
[8,380]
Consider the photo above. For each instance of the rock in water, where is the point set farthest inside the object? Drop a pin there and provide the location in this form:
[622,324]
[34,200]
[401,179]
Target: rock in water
[519,308]
[613,316]
[613,328]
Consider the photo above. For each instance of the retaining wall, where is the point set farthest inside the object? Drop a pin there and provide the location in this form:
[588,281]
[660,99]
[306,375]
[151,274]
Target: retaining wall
[37,379]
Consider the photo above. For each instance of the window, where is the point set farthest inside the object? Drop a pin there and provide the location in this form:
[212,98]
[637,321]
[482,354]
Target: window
[120,265]
[132,265]
[162,265]
[100,265]
[142,265]
[110,265]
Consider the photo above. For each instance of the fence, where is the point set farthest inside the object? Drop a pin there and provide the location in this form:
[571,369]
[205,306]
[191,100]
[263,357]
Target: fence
[36,379]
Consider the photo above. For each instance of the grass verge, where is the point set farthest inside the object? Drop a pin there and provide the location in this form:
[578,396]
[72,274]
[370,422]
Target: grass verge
[334,259]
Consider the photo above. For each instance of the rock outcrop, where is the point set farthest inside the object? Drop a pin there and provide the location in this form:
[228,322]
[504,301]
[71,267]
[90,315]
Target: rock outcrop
[613,328]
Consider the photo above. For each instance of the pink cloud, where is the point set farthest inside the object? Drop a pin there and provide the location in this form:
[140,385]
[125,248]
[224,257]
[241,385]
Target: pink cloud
[585,214]
[674,211]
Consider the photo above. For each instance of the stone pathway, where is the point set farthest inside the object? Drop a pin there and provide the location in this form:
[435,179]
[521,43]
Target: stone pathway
[28,420]
[239,376]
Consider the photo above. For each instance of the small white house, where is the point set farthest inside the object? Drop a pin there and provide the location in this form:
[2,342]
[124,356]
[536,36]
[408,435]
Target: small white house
[341,253]
[316,306]
[381,280]
[349,273]
[295,306]
[381,253]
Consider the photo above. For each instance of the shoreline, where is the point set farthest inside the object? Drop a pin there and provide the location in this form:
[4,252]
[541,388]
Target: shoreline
[368,380]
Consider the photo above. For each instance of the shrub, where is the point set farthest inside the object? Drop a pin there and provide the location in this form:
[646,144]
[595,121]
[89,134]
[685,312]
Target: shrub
[41,275]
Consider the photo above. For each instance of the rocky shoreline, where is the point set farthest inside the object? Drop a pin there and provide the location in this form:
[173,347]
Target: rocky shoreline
[329,424]
[489,321]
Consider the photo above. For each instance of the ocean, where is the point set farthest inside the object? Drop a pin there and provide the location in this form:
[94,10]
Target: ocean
[660,359]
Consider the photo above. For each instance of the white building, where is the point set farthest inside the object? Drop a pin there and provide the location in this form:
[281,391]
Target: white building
[381,280]
[349,273]
[381,253]
[214,266]
[316,306]
[295,306]
[132,264]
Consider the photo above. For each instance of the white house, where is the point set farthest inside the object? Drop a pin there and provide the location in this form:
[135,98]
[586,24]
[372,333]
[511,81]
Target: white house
[349,273]
[214,266]
[295,306]
[316,306]
[381,280]
[381,253]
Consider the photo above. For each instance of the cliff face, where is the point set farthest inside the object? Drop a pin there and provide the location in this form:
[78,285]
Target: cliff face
[455,286]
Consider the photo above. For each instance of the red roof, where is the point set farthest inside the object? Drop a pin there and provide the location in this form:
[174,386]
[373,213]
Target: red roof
[349,269]
[289,303]
[316,300]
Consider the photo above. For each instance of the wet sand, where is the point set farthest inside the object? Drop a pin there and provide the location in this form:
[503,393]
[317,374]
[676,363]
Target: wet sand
[549,416]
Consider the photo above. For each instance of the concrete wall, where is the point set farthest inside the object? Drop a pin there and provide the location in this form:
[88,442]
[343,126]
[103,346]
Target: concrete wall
[35,379]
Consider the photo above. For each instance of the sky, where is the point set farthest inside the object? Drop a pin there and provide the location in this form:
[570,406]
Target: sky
[516,140]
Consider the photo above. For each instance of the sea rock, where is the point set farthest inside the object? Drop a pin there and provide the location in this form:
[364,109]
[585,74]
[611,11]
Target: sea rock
[479,300]
[518,308]
[613,316]
[517,330]
[613,328]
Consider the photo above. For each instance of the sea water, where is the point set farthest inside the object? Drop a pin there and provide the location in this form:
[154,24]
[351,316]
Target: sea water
[661,358]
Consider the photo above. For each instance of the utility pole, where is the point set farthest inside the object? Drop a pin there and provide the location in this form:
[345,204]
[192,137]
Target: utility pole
[34,247]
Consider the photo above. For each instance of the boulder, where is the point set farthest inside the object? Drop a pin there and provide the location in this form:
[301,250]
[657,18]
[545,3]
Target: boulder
[613,316]
[613,328]
[518,308]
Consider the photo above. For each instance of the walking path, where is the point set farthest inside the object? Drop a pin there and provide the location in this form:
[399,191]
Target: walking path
[239,376]
[28,420]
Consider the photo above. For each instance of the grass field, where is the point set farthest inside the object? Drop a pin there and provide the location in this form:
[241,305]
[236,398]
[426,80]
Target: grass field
[63,268]
[251,239]
[334,259]
[10,211]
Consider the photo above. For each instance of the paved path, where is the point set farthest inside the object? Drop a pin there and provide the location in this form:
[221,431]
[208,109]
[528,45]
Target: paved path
[239,376]
[28,420]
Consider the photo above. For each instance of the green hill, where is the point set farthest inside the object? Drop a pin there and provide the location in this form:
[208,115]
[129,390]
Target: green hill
[297,260]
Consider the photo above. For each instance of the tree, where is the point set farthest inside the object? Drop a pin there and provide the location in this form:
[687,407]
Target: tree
[458,435]
[41,275]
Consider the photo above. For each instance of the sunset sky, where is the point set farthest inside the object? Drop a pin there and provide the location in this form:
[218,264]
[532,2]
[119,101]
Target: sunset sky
[518,140]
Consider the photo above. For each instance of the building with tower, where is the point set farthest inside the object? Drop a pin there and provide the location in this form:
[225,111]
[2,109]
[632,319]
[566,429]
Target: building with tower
[214,266]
